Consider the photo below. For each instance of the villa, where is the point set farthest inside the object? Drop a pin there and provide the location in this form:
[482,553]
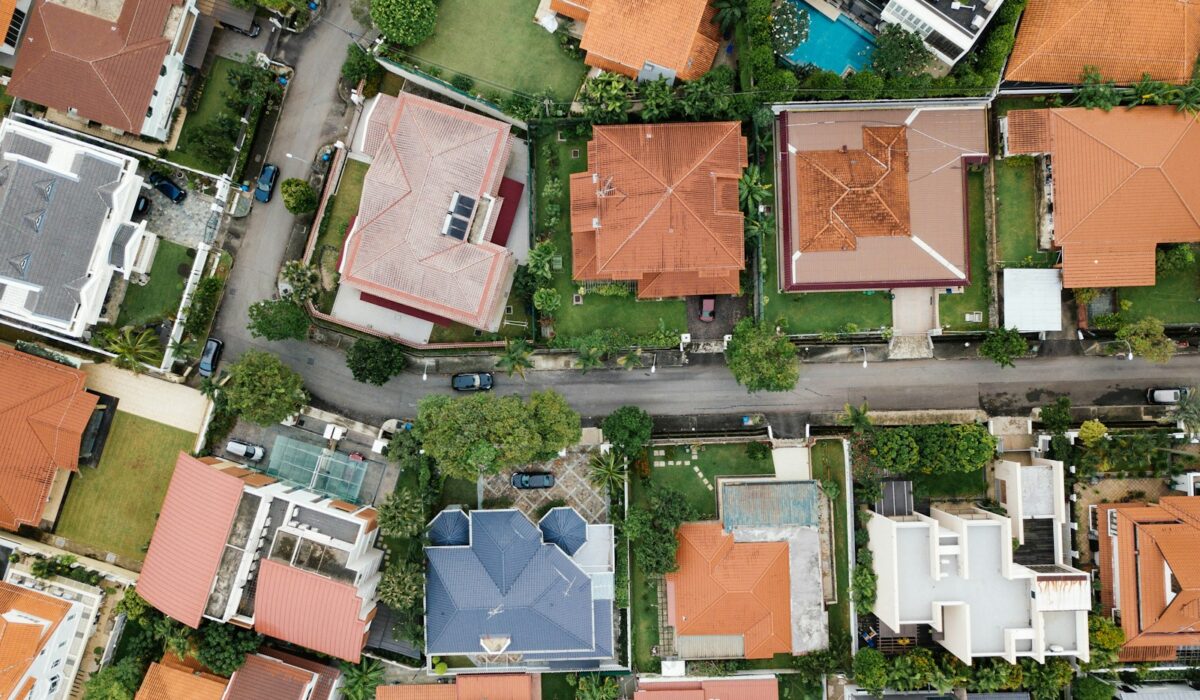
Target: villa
[44,626]
[948,27]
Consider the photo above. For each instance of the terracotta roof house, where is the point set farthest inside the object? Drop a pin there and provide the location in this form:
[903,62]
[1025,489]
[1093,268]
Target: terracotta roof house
[31,624]
[66,229]
[1122,185]
[116,62]
[44,413]
[1148,573]
[522,596]
[740,688]
[430,236]
[658,206]
[236,545]
[475,686]
[264,677]
[875,198]
[977,579]
[949,28]
[1123,40]
[646,39]
[174,679]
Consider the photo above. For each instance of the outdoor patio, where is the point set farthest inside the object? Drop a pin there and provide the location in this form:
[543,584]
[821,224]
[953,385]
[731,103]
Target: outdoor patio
[571,487]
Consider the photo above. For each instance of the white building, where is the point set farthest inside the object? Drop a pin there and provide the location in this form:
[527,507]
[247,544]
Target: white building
[65,227]
[949,27]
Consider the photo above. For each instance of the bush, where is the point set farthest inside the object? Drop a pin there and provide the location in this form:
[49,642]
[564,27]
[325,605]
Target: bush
[405,22]
[761,359]
[375,360]
[1092,432]
[463,82]
[278,319]
[262,389]
[863,583]
[359,65]
[870,670]
[298,196]
[628,429]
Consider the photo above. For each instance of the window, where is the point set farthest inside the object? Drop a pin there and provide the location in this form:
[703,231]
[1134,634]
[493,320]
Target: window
[162,71]
[56,663]
[14,28]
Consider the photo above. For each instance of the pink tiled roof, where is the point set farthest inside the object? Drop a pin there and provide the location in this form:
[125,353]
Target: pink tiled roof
[732,689]
[397,249]
[309,610]
[185,551]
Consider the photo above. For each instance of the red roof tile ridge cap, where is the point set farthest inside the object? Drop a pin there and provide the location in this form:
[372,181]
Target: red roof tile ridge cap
[1061,115]
[1183,133]
[1036,50]
[57,425]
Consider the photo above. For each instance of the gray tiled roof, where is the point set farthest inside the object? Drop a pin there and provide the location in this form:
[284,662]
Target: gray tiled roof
[49,223]
[565,528]
[450,528]
[116,254]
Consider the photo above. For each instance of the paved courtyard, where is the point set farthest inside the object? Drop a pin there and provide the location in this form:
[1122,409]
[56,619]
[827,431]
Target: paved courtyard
[1111,491]
[571,487]
[183,223]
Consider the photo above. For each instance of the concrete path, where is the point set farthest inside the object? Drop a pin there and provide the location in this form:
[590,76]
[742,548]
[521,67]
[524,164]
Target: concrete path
[153,399]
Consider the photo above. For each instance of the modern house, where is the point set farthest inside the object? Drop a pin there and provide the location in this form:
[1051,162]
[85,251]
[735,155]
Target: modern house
[65,228]
[44,416]
[1118,185]
[233,545]
[658,207]
[113,62]
[1147,551]
[173,678]
[1122,40]
[429,241]
[42,634]
[506,593]
[744,687]
[672,39]
[875,197]
[481,686]
[987,585]
[948,27]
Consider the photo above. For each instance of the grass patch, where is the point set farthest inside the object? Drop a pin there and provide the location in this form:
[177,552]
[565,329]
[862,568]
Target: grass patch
[391,83]
[639,318]
[498,44]
[643,605]
[510,327]
[459,492]
[829,464]
[713,461]
[342,206]
[1174,298]
[952,485]
[212,102]
[555,685]
[1016,213]
[115,506]
[954,307]
[159,297]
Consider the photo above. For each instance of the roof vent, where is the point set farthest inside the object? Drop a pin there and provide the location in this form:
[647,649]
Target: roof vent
[595,222]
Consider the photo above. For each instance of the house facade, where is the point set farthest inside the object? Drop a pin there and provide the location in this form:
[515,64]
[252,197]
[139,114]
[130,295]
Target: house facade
[948,27]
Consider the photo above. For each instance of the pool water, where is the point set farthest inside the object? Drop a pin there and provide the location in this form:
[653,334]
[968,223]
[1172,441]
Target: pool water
[833,46]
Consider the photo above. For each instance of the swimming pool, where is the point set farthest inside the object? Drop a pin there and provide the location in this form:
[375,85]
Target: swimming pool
[834,46]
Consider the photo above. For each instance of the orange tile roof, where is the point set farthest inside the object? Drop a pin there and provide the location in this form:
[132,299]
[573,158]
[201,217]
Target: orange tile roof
[168,682]
[728,588]
[264,678]
[189,539]
[20,642]
[623,35]
[436,691]
[731,689]
[467,686]
[310,610]
[106,71]
[1057,38]
[659,205]
[1123,183]
[43,413]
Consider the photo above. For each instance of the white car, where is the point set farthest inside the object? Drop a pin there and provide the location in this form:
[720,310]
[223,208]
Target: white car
[248,450]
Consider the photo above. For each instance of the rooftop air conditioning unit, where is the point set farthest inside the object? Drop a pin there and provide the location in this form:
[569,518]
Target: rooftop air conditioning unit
[977,22]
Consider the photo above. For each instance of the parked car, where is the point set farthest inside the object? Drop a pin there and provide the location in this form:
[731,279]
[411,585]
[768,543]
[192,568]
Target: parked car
[141,207]
[1166,395]
[210,357]
[167,186]
[532,480]
[254,30]
[708,308]
[266,183]
[247,450]
[472,381]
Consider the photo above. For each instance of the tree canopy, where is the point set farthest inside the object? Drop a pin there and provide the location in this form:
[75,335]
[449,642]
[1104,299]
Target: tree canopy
[263,390]
[761,359]
[1148,339]
[628,430]
[406,22]
[278,319]
[299,197]
[651,527]
[899,53]
[1004,345]
[375,360]
[223,647]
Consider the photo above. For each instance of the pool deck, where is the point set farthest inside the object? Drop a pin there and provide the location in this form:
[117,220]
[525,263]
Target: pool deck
[825,8]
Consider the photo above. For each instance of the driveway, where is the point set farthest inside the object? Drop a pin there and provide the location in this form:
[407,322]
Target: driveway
[153,399]
[729,310]
[183,223]
[571,487]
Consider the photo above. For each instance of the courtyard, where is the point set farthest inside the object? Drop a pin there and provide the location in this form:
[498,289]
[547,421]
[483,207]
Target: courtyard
[571,488]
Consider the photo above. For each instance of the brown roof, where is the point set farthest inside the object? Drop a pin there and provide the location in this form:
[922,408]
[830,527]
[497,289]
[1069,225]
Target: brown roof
[105,71]
[20,643]
[310,610]
[265,678]
[659,205]
[172,682]
[714,689]
[1123,183]
[437,691]
[728,588]
[43,413]
[326,675]
[485,686]
[1058,38]
[623,35]
[876,198]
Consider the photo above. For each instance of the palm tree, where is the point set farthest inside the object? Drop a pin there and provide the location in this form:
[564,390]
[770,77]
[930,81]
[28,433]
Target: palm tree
[1188,411]
[856,417]
[361,679]
[185,349]
[729,13]
[1187,98]
[133,351]
[590,357]
[607,472]
[631,359]
[752,191]
[759,226]
[516,358]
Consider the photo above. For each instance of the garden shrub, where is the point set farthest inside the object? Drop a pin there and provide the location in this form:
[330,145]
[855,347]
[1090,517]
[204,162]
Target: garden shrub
[204,306]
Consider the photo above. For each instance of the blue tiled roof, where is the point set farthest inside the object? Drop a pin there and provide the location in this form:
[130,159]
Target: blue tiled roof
[565,528]
[450,528]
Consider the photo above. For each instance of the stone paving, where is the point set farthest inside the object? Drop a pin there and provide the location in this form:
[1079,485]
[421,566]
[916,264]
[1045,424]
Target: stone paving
[660,460]
[571,485]
[1111,491]
[183,223]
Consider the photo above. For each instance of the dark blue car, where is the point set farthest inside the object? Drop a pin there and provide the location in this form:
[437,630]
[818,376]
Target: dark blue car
[266,183]
[167,186]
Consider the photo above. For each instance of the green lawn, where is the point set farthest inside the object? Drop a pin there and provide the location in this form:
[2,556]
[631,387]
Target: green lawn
[115,506]
[829,464]
[498,44]
[637,318]
[643,605]
[1175,297]
[714,461]
[459,492]
[953,307]
[1016,212]
[160,296]
[510,327]
[212,102]
[953,485]
[555,685]
[334,223]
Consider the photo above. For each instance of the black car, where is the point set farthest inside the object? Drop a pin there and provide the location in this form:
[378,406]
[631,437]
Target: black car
[210,357]
[255,28]
[532,480]
[472,381]
[167,186]
[141,207]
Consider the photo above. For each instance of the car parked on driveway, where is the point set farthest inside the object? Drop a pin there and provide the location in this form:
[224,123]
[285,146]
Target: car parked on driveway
[266,183]
[210,357]
[532,480]
[167,186]
[247,450]
[1166,395]
[472,381]
[141,207]
[708,309]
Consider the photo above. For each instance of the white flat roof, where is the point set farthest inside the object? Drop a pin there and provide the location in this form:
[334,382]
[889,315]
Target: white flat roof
[1033,299]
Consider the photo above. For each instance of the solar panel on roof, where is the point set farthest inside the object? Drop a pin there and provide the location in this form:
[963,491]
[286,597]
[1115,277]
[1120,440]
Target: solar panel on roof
[464,206]
[458,229]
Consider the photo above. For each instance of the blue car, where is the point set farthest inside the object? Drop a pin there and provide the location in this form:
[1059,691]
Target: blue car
[167,186]
[266,183]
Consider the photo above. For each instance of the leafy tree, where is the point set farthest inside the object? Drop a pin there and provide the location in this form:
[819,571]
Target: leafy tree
[540,261]
[1046,681]
[752,189]
[789,27]
[405,22]
[913,670]
[1105,639]
[607,472]
[1175,258]
[402,513]
[606,98]
[361,679]
[517,357]
[305,280]
[863,583]
[994,674]
[253,86]
[1091,688]
[547,301]
[298,196]
[824,85]
[899,53]
[1003,345]
[186,349]
[375,360]
[1056,418]
[359,64]
[864,85]
[729,14]
[278,319]
[758,227]
[132,605]
[402,586]
[120,681]
[632,359]
[212,140]
[589,357]
[1188,411]
[651,527]
[1092,432]
[1094,92]
[894,450]
[223,648]
[263,390]
[708,97]
[553,188]
[556,422]
[658,96]
[871,670]
[1148,339]
[761,359]
[628,430]
[856,417]
[597,688]
[134,350]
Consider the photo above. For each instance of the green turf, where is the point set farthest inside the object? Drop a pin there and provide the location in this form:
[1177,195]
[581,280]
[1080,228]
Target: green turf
[953,307]
[555,685]
[596,311]
[953,485]
[829,464]
[509,328]
[1016,212]
[1174,298]
[714,461]
[643,605]
[158,298]
[114,506]
[342,206]
[498,44]
[212,102]
[459,492]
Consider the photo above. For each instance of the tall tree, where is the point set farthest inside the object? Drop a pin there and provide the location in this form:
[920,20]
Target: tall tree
[651,527]
[299,197]
[1094,92]
[263,390]
[402,585]
[304,280]
[403,513]
[607,472]
[361,679]
[1188,411]
[658,96]
[606,98]
[278,319]
[375,360]
[517,357]
[857,417]
[628,430]
[557,423]
[753,190]
[134,350]
[729,14]
[405,22]
[589,357]
[760,359]
[1148,339]
[1003,346]
[899,53]
[223,647]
